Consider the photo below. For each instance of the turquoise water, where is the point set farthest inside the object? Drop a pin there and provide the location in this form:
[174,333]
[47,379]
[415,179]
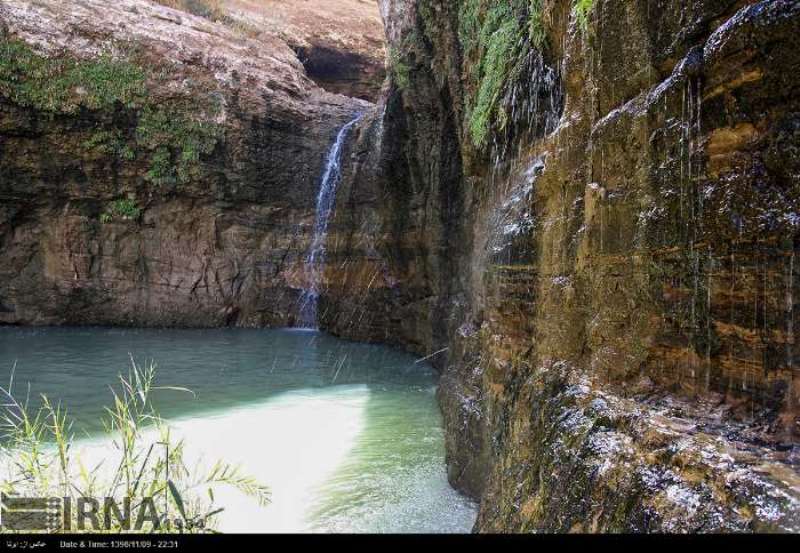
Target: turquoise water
[347,435]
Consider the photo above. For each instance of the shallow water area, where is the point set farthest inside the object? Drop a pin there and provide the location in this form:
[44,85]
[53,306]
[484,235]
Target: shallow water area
[348,436]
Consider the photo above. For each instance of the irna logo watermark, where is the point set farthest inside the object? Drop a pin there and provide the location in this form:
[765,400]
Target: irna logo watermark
[87,514]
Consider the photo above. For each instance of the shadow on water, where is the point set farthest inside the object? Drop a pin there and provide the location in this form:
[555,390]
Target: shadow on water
[394,477]
[347,435]
[224,368]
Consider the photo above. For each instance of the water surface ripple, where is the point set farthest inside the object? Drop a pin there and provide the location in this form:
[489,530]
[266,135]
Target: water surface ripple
[347,435]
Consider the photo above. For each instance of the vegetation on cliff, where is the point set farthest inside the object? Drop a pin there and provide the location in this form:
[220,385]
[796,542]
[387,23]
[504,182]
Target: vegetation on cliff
[582,8]
[639,285]
[64,84]
[400,69]
[498,41]
[39,457]
[170,134]
[493,40]
[124,209]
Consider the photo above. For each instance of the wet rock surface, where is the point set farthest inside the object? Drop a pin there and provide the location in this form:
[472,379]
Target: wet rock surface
[611,297]
[183,196]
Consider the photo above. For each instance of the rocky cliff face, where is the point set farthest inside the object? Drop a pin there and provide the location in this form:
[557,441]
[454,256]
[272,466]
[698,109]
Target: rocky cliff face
[156,167]
[339,42]
[586,213]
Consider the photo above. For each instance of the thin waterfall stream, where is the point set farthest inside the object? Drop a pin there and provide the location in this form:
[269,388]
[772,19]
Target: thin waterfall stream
[315,259]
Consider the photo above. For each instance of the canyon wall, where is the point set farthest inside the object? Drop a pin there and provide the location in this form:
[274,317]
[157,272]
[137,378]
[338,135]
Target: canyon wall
[157,168]
[585,213]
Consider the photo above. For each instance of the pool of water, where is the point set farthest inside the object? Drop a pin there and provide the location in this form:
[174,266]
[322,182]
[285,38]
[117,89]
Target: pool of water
[348,436]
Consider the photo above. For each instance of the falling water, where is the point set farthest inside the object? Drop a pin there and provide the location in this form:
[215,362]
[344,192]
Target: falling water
[315,260]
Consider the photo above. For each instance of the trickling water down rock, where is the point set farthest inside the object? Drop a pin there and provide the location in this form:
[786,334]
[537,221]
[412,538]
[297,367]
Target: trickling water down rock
[621,354]
[315,260]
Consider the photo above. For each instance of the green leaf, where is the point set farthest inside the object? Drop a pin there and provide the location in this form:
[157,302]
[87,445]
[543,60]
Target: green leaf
[176,496]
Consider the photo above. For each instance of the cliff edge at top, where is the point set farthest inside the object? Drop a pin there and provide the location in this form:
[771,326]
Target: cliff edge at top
[339,42]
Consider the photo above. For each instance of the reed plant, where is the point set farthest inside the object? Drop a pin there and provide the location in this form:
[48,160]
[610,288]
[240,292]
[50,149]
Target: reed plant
[145,463]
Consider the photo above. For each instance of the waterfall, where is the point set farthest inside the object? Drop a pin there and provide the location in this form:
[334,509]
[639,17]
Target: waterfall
[315,259]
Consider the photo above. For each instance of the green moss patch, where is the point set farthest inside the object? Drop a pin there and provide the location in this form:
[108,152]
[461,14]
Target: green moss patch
[121,210]
[582,9]
[496,38]
[176,143]
[168,134]
[399,69]
[63,84]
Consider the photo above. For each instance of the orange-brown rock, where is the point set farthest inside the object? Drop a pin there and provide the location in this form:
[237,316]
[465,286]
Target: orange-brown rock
[182,199]
[609,283]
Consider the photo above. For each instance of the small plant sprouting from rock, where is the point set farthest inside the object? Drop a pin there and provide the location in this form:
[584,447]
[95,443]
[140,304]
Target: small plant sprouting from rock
[40,459]
[402,57]
[536,24]
[110,143]
[582,9]
[121,210]
[400,70]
